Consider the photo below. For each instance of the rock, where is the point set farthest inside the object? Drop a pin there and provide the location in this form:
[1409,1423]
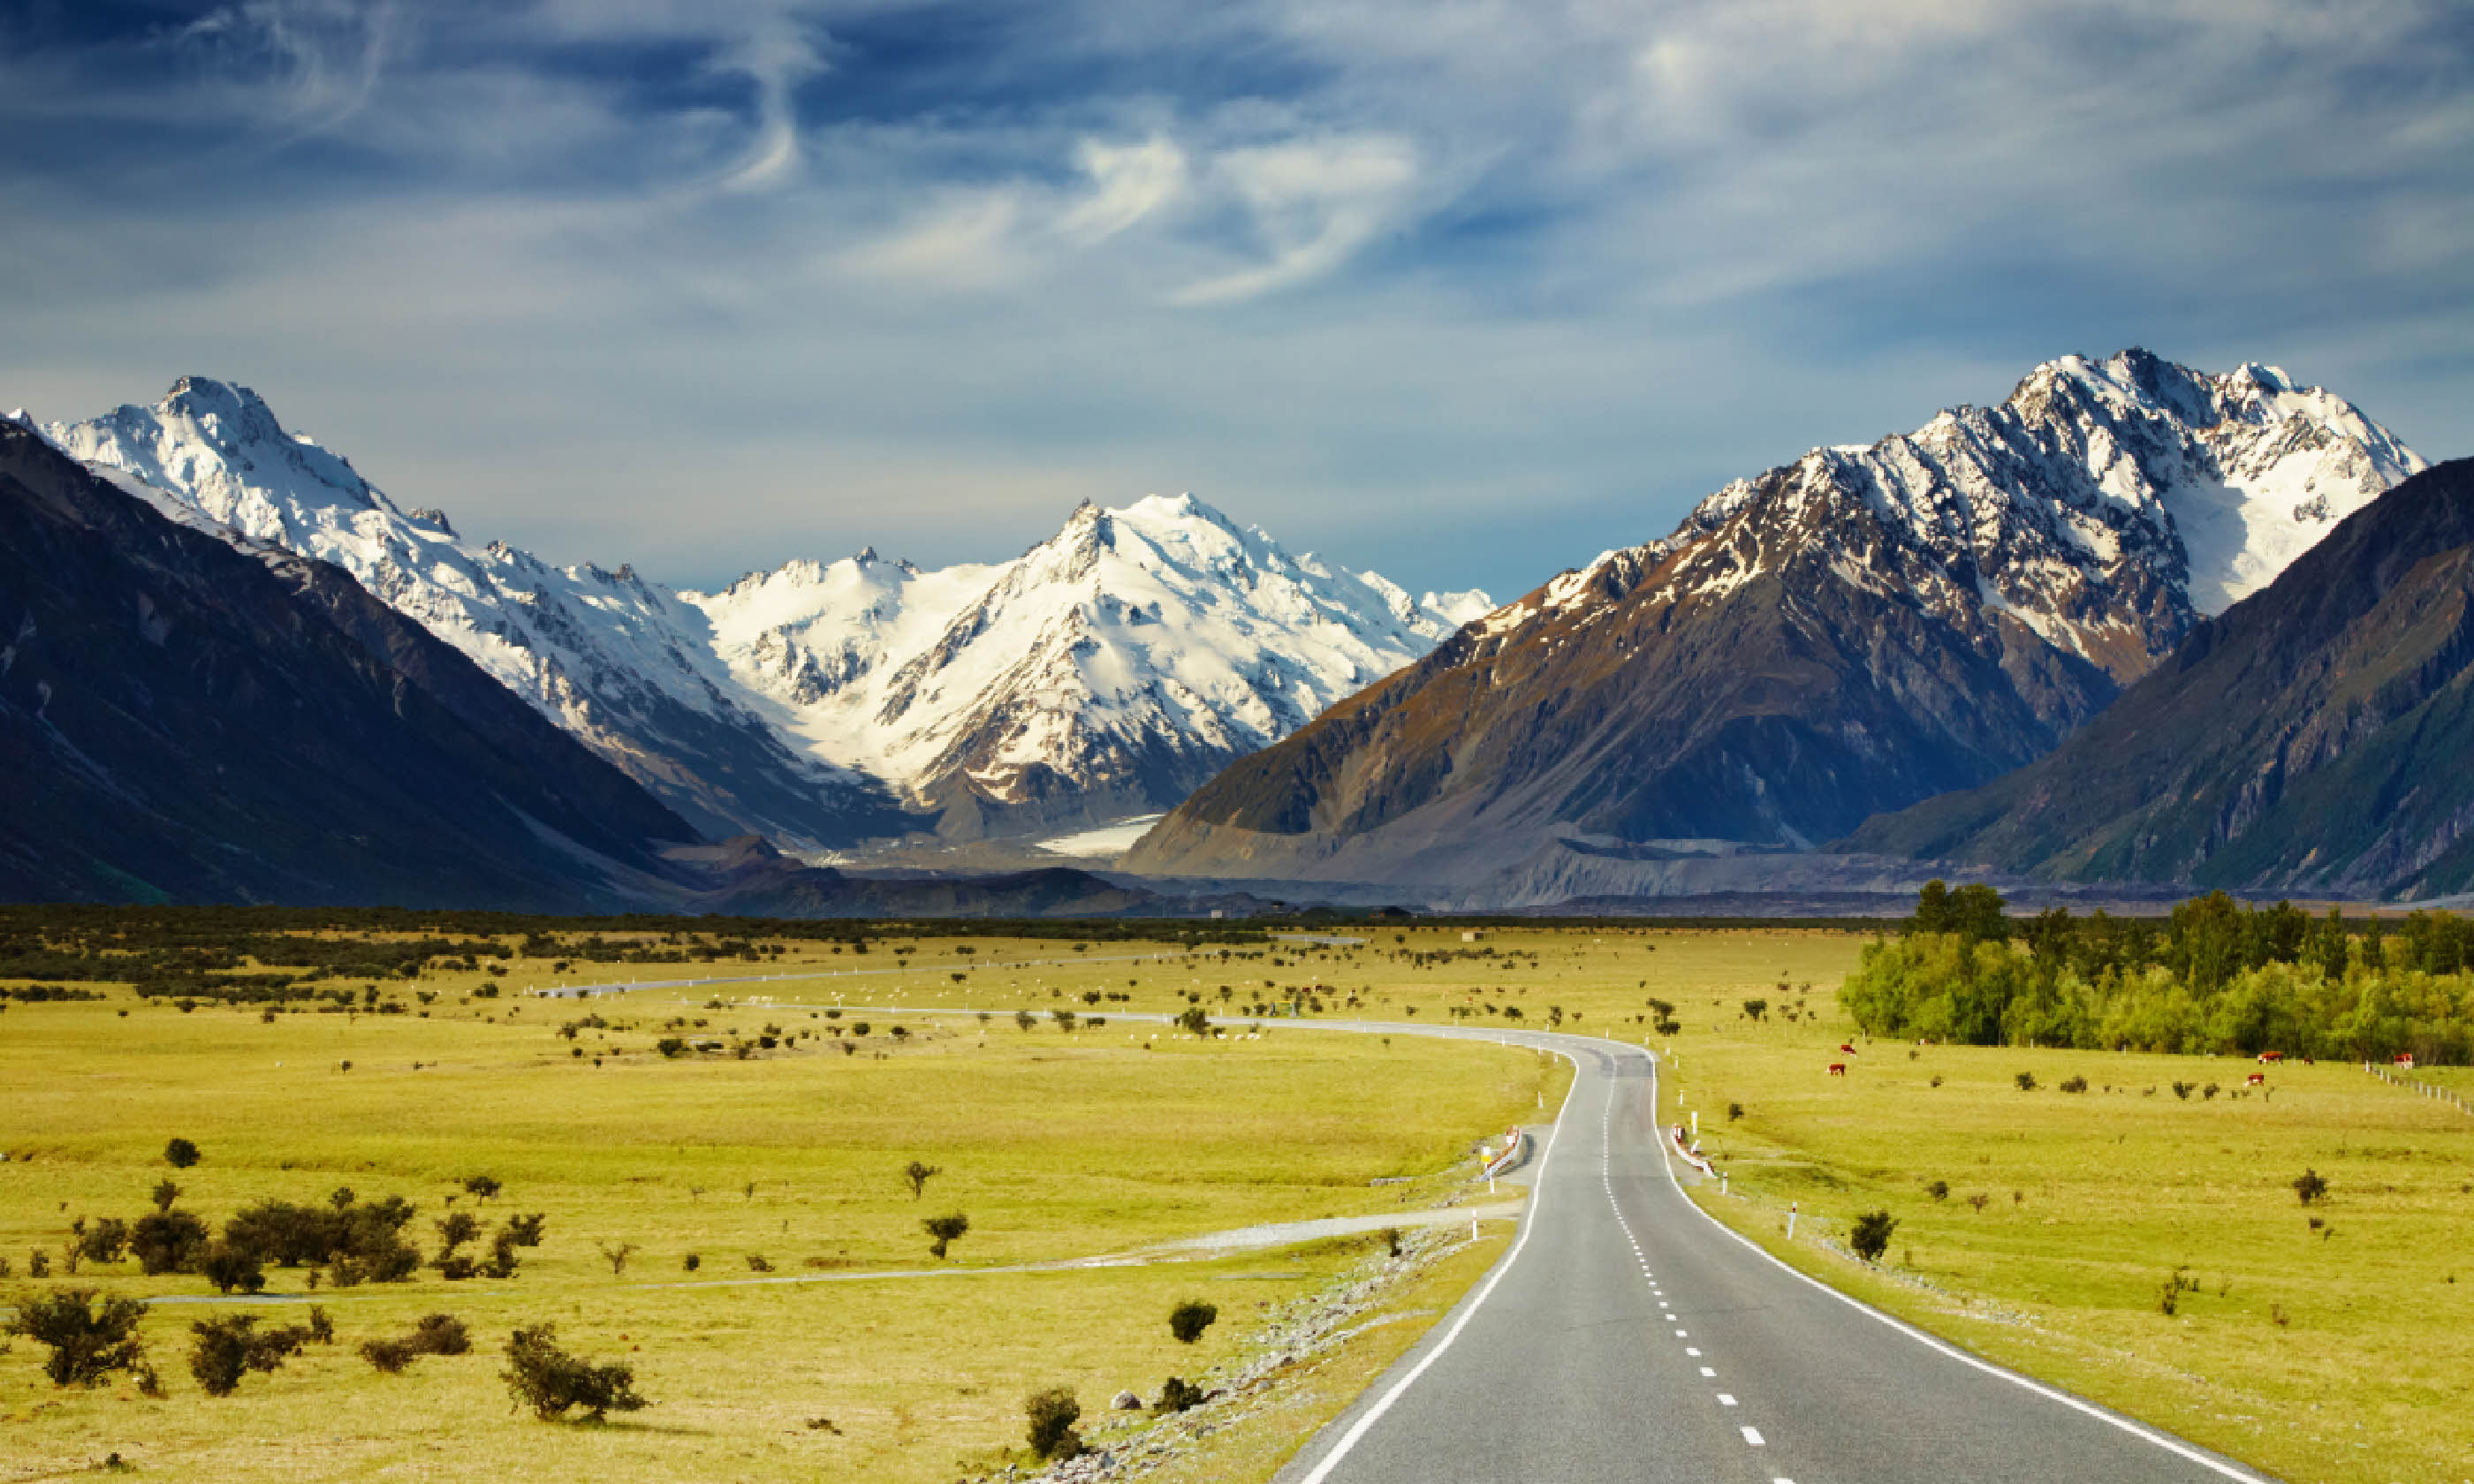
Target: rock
[1128,1401]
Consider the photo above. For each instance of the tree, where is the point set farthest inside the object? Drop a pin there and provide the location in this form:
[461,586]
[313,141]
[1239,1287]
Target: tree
[1870,1235]
[482,1186]
[918,1173]
[1195,1021]
[1755,1009]
[549,1381]
[165,1193]
[2311,1185]
[1178,1395]
[1188,1319]
[1025,1020]
[1050,1415]
[617,1253]
[181,1154]
[1064,1018]
[87,1343]
[945,1230]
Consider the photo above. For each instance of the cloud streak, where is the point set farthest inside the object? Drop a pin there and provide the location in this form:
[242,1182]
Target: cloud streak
[1495,284]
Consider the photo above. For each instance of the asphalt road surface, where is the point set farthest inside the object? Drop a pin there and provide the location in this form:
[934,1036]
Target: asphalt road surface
[1627,1336]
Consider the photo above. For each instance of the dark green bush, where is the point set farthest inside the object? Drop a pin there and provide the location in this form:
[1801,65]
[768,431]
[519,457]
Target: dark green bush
[104,1240]
[228,1267]
[944,1229]
[552,1382]
[168,1241]
[1188,1319]
[227,1347]
[1051,1415]
[2311,1185]
[87,1343]
[1870,1235]
[181,1154]
[389,1357]
[1177,1395]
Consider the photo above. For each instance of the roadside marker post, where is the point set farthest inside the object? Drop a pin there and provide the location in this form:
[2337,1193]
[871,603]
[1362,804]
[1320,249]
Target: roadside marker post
[1792,1206]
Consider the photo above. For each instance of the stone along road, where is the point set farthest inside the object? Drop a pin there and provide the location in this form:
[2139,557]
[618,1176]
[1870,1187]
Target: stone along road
[1628,1336]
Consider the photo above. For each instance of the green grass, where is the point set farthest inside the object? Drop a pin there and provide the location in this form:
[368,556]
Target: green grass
[1057,1146]
[2338,1353]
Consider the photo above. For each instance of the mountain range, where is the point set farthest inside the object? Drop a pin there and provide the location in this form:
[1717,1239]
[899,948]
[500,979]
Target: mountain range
[1103,673]
[1848,634]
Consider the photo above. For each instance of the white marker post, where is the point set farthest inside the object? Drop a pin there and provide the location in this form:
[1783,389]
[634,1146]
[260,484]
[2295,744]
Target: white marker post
[1792,1206]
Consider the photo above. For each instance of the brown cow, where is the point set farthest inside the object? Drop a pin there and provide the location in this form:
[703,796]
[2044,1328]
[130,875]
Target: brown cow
[2256,1079]
[1838,1068]
[2267,1057]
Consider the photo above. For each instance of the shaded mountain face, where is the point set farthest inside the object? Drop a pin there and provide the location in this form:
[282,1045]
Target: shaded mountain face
[2313,739]
[1848,634]
[1103,673]
[185,719]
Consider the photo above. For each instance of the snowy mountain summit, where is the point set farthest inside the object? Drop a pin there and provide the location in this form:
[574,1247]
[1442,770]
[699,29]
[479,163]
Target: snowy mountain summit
[1109,670]
[1106,672]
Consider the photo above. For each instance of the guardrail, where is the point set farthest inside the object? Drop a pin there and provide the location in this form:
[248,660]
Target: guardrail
[1516,1145]
[1685,1152]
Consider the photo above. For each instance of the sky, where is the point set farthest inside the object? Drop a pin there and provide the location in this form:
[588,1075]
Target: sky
[1459,290]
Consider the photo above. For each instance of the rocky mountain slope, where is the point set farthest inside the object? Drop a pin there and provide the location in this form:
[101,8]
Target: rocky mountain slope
[1103,673]
[2313,739]
[1851,633]
[184,719]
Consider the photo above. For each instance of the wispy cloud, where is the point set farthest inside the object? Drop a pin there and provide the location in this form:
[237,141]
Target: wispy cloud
[1540,271]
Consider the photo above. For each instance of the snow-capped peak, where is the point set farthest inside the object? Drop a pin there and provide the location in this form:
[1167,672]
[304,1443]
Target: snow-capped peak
[1114,665]
[1126,656]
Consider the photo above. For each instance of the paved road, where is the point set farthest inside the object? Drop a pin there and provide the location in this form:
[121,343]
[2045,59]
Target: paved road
[1627,1336]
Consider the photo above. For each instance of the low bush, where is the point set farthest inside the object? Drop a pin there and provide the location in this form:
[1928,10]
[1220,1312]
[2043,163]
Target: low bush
[552,1382]
[1870,1235]
[1188,1319]
[1177,1395]
[226,1348]
[1051,1415]
[88,1342]
[2310,1185]
[167,1241]
[944,1231]
[181,1154]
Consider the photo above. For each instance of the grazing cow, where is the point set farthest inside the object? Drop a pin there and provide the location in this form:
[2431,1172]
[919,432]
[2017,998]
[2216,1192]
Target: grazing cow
[2267,1057]
[2256,1079]
[1838,1068]
[1848,1050]
[2405,1059]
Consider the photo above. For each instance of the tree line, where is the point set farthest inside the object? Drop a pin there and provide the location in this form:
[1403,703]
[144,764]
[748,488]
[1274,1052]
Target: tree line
[2216,976]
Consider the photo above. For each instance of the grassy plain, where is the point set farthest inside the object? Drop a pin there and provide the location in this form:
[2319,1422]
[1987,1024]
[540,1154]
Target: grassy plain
[1063,1146]
[1058,1145]
[2340,1352]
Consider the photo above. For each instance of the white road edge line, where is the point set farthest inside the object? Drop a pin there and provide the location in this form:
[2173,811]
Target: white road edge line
[2074,1404]
[1537,1199]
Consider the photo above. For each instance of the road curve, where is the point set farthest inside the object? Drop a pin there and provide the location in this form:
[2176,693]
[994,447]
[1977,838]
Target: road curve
[1626,1335]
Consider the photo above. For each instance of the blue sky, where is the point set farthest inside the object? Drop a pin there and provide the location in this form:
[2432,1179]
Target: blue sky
[1465,291]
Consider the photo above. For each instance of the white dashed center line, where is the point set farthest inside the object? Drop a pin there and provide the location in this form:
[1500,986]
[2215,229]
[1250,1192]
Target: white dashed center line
[1752,1436]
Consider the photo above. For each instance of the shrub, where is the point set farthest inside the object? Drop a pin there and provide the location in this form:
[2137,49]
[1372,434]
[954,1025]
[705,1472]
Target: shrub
[1194,1020]
[2311,1185]
[1870,1235]
[87,1343]
[670,1046]
[228,1267]
[1177,1395]
[1735,1110]
[758,1262]
[690,1262]
[225,1349]
[181,1154]
[106,1240]
[165,1193]
[550,1381]
[168,1241]
[2182,1089]
[2027,1082]
[1051,1415]
[389,1357]
[617,1254]
[1938,1189]
[1025,1020]
[440,1334]
[2074,1084]
[917,1174]
[945,1230]
[482,1186]
[1188,1319]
